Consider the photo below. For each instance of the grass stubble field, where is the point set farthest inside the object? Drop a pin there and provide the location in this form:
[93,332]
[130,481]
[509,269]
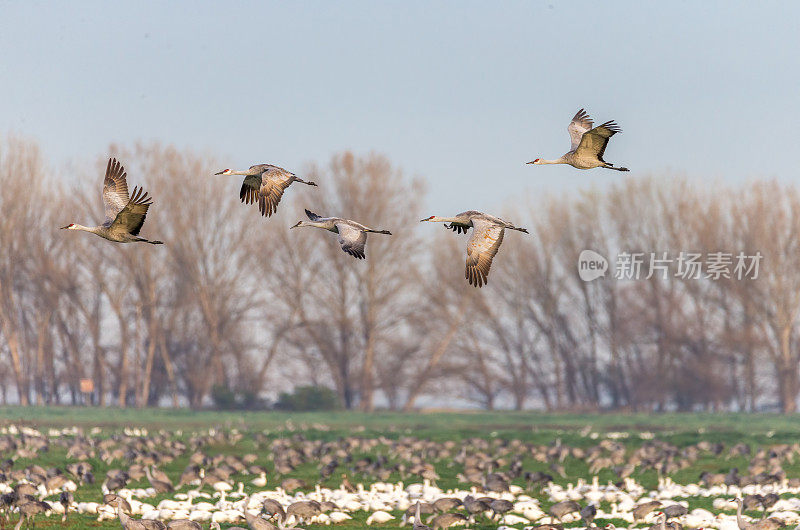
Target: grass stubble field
[579,430]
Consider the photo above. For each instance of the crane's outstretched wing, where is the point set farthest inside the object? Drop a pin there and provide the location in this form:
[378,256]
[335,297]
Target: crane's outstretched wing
[580,123]
[352,240]
[131,218]
[595,141]
[273,181]
[481,248]
[115,189]
[250,186]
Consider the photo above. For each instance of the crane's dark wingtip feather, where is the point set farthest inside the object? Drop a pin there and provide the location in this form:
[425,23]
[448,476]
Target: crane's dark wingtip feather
[582,116]
[612,126]
[355,253]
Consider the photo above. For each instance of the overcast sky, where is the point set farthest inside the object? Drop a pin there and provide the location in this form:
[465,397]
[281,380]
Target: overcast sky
[463,93]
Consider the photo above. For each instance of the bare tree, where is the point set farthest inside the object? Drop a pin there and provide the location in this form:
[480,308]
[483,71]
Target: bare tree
[351,313]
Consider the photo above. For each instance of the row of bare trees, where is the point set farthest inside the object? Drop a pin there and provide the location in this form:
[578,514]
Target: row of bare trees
[240,302]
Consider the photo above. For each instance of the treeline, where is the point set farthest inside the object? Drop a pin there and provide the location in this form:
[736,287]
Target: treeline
[238,303]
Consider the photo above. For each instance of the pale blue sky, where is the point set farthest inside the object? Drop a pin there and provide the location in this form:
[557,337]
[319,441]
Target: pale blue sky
[461,92]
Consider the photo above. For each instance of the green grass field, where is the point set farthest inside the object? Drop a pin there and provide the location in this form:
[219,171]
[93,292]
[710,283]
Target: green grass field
[541,428]
[472,422]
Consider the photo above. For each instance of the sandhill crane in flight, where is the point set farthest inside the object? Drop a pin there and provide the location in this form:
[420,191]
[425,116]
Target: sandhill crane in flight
[352,235]
[588,144]
[483,244]
[264,183]
[125,215]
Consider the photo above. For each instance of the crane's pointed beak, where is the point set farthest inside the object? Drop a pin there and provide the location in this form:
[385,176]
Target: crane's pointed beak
[220,173]
[531,162]
[64,227]
[295,226]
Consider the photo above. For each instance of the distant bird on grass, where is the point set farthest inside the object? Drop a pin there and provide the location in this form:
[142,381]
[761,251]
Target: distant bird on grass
[129,523]
[641,510]
[352,235]
[160,482]
[761,524]
[112,499]
[484,243]
[28,510]
[560,509]
[264,184]
[125,215]
[588,514]
[273,509]
[66,499]
[588,144]
[674,510]
[418,524]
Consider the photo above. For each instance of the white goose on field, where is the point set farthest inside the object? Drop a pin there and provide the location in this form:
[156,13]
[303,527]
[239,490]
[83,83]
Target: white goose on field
[352,235]
[588,144]
[125,215]
[264,183]
[484,243]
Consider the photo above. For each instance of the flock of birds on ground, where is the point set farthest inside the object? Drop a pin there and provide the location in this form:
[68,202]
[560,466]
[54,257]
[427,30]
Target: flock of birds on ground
[494,486]
[265,184]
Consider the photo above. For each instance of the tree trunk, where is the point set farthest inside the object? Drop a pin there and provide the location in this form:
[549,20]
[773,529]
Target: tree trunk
[419,380]
[144,396]
[122,391]
[124,338]
[787,387]
[41,343]
[16,364]
[367,376]
[787,376]
[170,371]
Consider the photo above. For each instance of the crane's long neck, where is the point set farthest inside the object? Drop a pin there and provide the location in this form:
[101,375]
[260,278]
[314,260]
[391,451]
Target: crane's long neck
[123,518]
[312,223]
[556,161]
[92,229]
[739,519]
[446,220]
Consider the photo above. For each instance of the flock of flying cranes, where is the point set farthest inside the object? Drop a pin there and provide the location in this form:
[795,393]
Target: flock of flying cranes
[264,184]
